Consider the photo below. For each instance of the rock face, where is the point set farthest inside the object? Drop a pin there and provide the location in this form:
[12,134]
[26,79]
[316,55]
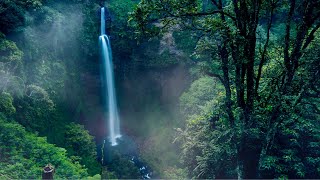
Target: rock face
[48,172]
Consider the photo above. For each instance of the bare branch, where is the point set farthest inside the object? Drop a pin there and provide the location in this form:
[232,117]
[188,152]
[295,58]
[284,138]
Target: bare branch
[310,36]
[287,36]
[216,76]
[264,53]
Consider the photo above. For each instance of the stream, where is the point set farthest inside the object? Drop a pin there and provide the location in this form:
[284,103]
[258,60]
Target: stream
[127,149]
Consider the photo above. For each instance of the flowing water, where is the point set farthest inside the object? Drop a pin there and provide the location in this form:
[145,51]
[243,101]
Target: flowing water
[126,146]
[111,109]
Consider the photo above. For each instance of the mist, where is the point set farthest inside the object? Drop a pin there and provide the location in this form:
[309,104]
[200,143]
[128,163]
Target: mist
[159,89]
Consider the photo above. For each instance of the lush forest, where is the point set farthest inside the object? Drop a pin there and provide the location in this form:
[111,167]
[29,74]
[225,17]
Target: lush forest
[206,89]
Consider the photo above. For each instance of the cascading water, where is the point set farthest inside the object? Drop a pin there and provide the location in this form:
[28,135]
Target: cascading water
[111,109]
[127,148]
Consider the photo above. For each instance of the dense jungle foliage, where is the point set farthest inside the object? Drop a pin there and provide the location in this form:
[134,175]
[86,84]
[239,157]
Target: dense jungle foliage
[207,88]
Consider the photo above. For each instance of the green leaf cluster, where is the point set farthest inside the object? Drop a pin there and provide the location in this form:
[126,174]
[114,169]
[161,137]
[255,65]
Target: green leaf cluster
[23,154]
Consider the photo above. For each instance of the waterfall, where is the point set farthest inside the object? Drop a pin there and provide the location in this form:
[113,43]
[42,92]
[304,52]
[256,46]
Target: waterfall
[111,109]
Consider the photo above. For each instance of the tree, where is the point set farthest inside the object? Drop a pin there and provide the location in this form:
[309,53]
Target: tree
[257,103]
[12,13]
[35,110]
[10,67]
[23,154]
[80,143]
[6,106]
[39,77]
